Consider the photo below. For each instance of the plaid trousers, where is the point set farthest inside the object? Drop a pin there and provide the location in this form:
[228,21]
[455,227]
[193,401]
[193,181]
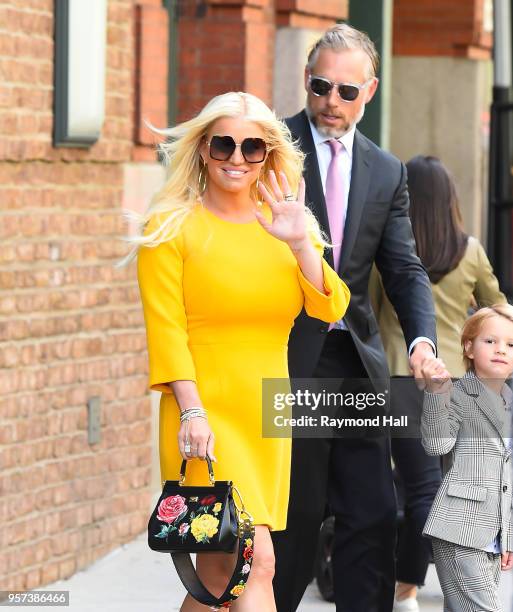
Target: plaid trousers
[469,577]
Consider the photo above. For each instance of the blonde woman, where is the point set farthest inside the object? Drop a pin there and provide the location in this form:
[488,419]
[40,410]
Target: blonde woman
[222,278]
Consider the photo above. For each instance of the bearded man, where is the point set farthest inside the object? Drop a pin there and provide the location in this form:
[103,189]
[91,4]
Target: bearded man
[358,192]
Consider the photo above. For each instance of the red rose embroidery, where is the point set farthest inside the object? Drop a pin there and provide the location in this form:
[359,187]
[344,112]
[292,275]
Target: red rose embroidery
[248,553]
[170,508]
[209,499]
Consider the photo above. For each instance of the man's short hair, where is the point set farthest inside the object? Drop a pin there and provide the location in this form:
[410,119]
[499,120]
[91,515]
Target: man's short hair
[343,37]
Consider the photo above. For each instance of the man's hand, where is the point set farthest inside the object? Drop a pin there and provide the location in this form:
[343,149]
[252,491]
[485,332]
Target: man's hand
[506,560]
[421,352]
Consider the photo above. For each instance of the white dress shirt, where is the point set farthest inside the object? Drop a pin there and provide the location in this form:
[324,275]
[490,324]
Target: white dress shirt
[323,151]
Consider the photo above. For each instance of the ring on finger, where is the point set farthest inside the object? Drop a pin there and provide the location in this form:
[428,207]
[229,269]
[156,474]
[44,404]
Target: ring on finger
[187,448]
[289,197]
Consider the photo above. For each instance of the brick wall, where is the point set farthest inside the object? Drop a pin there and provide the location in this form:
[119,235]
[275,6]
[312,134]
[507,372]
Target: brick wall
[70,323]
[310,14]
[150,76]
[225,45]
[452,28]
[229,45]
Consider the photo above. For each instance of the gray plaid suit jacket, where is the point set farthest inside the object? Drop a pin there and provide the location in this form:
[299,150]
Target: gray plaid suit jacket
[474,501]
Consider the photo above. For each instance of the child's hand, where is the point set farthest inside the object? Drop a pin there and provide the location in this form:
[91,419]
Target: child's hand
[506,561]
[436,376]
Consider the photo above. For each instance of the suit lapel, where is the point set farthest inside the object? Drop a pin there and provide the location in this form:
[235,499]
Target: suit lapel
[475,387]
[491,412]
[360,178]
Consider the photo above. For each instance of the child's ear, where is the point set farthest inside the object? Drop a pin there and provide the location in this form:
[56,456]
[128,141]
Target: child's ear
[468,349]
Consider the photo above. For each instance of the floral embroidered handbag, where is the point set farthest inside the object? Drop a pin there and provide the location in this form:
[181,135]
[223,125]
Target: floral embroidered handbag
[192,519]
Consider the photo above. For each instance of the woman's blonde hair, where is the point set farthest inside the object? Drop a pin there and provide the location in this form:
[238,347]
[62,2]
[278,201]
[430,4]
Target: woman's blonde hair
[181,151]
[474,324]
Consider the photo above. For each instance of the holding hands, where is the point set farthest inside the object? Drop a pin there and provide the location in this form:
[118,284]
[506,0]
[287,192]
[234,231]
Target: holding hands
[421,352]
[289,222]
[436,376]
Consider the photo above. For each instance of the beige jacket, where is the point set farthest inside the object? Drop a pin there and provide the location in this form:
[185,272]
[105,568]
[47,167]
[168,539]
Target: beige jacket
[452,295]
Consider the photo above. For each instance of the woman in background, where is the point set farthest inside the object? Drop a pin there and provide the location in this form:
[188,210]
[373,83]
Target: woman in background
[461,277]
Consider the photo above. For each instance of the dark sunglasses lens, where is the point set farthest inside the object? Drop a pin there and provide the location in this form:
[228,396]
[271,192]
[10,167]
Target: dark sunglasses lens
[320,87]
[253,150]
[221,147]
[348,92]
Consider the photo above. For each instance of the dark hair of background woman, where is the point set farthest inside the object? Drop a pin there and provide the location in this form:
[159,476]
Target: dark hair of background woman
[435,216]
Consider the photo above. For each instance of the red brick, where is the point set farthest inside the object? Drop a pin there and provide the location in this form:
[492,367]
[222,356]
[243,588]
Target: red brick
[50,572]
[33,578]
[438,28]
[67,568]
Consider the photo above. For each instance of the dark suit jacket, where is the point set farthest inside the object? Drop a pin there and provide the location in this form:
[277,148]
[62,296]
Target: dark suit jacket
[377,228]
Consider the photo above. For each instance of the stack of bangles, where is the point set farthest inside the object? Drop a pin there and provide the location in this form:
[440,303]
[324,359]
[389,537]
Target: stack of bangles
[186,416]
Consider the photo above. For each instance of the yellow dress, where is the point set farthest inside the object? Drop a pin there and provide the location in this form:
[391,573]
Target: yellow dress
[219,303]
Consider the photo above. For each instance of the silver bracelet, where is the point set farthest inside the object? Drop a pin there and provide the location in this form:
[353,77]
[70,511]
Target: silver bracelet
[191,413]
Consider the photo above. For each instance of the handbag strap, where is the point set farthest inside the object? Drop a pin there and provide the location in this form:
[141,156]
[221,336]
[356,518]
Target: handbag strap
[237,583]
[183,469]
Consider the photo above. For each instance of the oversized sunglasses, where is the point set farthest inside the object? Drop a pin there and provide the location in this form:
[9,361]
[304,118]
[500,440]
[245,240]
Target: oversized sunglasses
[320,86]
[253,150]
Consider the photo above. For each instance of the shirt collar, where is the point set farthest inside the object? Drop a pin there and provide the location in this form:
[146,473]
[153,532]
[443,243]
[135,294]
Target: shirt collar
[347,139]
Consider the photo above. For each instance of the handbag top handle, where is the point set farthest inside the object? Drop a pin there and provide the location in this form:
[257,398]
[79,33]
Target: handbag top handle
[210,471]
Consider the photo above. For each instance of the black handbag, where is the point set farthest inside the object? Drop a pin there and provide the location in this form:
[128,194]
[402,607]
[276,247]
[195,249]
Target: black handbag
[193,519]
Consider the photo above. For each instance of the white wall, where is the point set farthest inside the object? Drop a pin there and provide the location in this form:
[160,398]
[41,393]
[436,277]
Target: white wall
[440,107]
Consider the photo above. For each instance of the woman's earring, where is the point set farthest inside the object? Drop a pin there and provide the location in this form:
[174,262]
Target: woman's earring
[202,178]
[257,192]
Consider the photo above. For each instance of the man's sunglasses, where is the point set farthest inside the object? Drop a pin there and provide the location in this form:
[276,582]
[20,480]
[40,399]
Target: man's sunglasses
[320,86]
[253,150]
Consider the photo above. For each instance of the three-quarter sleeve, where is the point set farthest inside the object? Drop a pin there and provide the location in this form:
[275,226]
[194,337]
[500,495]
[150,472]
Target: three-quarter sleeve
[160,275]
[330,305]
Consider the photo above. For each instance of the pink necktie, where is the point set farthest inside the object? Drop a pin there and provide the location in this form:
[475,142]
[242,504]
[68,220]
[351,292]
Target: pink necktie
[335,199]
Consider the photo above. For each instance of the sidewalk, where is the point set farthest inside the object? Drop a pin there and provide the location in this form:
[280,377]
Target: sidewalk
[135,579]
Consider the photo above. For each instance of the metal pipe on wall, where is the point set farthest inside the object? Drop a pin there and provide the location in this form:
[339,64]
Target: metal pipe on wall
[500,211]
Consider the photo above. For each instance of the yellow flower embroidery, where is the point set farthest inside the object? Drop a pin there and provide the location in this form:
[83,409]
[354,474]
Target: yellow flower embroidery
[249,542]
[217,507]
[237,590]
[204,527]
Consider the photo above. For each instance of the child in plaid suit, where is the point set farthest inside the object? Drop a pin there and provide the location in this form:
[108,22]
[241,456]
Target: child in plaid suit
[469,423]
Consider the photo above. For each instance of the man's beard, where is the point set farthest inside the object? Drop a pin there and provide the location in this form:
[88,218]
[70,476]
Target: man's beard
[333,132]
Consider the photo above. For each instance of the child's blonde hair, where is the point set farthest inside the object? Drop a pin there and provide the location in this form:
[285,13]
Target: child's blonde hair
[474,324]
